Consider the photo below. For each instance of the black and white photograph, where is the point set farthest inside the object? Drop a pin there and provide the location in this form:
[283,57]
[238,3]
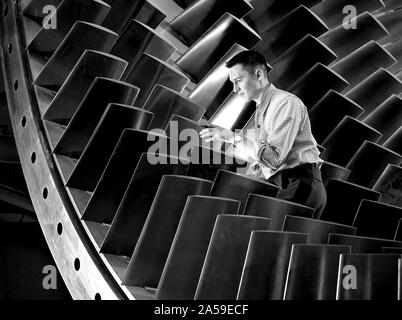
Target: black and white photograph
[201,158]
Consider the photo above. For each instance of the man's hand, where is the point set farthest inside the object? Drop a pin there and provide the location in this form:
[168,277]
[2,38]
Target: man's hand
[217,133]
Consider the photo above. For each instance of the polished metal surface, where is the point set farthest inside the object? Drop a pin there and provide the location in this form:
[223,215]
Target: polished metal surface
[391,5]
[59,66]
[362,244]
[376,277]
[210,48]
[138,38]
[92,64]
[206,162]
[267,12]
[183,266]
[387,117]
[121,13]
[152,249]
[196,19]
[215,87]
[68,12]
[347,137]
[266,264]
[34,8]
[298,59]
[84,121]
[149,71]
[206,158]
[399,76]
[283,34]
[375,90]
[376,219]
[102,143]
[329,111]
[389,185]
[332,171]
[395,141]
[238,186]
[150,15]
[221,273]
[331,11]
[275,209]
[344,41]
[114,181]
[164,102]
[392,21]
[233,113]
[363,62]
[184,3]
[395,48]
[316,83]
[313,272]
[343,200]
[133,210]
[317,230]
[366,173]
[178,123]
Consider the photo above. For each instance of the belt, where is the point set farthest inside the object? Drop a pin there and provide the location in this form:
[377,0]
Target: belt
[310,170]
[314,165]
[304,166]
[303,169]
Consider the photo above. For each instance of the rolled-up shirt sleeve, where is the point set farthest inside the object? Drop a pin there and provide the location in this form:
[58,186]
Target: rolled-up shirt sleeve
[274,146]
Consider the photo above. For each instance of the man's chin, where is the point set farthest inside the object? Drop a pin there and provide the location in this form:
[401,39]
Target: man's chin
[244,97]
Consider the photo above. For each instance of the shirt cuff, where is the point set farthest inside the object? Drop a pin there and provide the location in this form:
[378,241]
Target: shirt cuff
[261,150]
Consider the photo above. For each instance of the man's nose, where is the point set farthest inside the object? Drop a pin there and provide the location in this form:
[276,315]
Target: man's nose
[235,87]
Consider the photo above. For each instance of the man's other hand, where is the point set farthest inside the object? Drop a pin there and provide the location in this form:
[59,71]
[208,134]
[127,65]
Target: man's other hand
[217,133]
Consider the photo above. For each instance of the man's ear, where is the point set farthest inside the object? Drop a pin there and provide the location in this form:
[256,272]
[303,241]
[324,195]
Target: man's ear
[259,74]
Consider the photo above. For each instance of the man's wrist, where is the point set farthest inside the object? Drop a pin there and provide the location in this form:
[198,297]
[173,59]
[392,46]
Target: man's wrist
[236,139]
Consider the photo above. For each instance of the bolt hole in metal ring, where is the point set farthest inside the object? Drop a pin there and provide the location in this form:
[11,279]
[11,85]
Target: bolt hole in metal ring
[98,296]
[15,85]
[10,48]
[59,229]
[33,157]
[45,193]
[24,121]
[77,264]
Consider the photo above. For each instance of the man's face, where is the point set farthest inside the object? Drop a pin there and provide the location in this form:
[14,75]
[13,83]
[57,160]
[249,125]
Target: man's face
[244,81]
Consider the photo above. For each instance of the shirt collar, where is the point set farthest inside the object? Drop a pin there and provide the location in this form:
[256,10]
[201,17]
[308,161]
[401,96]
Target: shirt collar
[266,95]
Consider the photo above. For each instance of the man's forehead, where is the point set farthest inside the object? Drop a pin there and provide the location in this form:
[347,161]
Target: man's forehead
[237,71]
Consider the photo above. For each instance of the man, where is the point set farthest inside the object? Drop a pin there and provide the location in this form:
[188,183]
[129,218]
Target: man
[285,148]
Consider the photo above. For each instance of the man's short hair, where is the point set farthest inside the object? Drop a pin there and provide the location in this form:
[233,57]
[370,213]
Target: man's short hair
[248,58]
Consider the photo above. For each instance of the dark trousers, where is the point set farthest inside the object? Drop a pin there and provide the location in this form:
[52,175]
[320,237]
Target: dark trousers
[303,185]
